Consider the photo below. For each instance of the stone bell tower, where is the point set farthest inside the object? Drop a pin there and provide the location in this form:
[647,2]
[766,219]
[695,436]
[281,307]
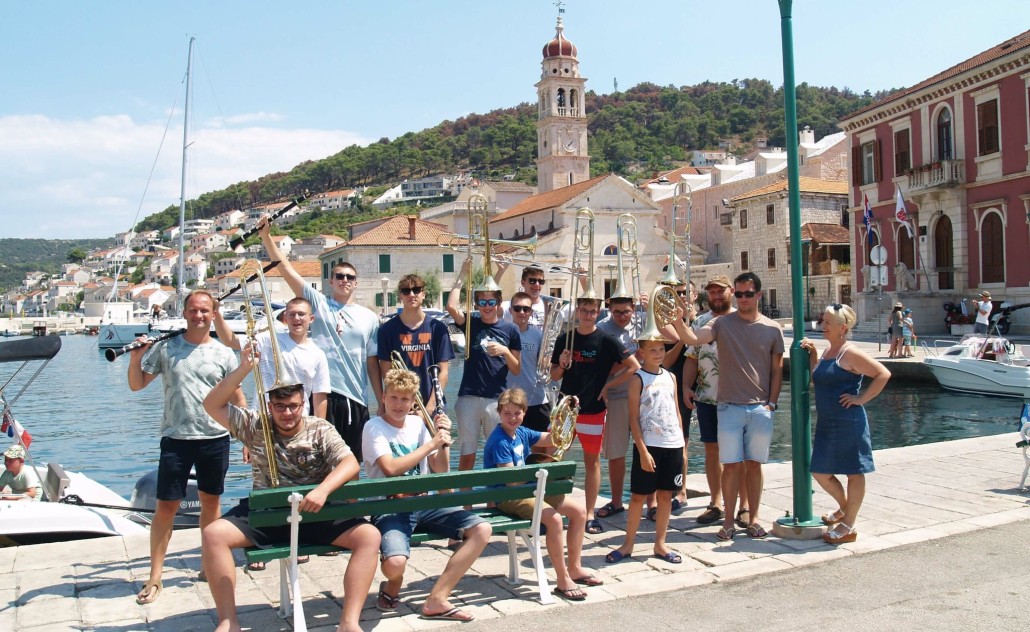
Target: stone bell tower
[562,157]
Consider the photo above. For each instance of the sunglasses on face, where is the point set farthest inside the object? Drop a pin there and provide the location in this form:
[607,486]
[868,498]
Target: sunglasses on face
[281,408]
[536,281]
[681,292]
[486,302]
[521,309]
[343,276]
[407,291]
[747,294]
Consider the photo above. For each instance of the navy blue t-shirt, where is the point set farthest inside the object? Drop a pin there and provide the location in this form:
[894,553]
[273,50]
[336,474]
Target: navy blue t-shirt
[501,449]
[593,356]
[421,347]
[486,376]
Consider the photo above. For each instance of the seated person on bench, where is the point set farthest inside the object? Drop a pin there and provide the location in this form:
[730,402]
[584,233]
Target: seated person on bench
[308,451]
[399,444]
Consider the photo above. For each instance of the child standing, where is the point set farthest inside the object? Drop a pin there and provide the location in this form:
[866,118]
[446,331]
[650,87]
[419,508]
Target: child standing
[508,446]
[657,428]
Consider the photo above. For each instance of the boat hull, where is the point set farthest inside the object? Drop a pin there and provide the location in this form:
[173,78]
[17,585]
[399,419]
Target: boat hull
[24,522]
[982,377]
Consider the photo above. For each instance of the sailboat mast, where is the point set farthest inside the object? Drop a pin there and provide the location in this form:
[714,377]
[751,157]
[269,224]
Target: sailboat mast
[180,296]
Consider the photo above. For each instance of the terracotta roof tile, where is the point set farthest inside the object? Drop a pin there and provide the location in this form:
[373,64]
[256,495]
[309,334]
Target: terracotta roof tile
[674,175]
[303,268]
[1010,45]
[825,233]
[808,185]
[509,186]
[395,231]
[551,199]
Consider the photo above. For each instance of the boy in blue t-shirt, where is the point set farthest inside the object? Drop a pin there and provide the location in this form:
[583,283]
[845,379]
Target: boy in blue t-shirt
[507,446]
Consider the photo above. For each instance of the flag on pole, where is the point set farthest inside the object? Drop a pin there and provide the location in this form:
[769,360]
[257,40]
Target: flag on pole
[14,429]
[867,218]
[901,214]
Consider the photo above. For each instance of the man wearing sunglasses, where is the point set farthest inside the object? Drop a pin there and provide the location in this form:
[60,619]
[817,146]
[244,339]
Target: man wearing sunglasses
[346,332]
[750,353]
[421,341]
[495,350]
[533,286]
[538,413]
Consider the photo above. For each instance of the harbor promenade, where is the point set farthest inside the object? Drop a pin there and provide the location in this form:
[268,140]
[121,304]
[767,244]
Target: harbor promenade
[918,494]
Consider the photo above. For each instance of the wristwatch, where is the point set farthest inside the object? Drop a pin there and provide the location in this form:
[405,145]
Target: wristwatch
[772,406]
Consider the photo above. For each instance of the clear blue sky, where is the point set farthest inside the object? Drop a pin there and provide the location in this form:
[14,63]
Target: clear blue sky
[88,86]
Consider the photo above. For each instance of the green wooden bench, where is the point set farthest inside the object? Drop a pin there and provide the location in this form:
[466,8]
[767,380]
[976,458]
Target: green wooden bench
[278,507]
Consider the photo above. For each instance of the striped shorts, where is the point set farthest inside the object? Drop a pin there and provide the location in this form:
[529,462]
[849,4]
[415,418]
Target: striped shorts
[589,428]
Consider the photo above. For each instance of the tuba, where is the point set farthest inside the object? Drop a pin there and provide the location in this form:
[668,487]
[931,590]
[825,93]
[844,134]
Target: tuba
[252,268]
[563,430]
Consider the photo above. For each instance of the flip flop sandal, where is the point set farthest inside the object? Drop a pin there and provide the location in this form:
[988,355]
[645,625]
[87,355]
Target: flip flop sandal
[572,594]
[588,580]
[756,532]
[151,590]
[256,566]
[609,510]
[670,557]
[615,557]
[454,614]
[726,533]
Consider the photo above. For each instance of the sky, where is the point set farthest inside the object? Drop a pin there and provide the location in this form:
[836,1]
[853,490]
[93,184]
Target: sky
[93,91]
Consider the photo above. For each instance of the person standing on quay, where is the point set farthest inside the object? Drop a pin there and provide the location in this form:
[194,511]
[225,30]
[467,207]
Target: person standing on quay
[190,366]
[842,444]
[347,333]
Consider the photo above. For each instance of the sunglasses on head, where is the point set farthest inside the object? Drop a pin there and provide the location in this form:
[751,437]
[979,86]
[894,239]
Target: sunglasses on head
[522,309]
[343,276]
[747,294]
[536,281]
[486,302]
[836,307]
[411,290]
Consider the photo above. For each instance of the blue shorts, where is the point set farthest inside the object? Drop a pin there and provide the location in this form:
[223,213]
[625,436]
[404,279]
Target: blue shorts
[209,456]
[708,422]
[745,433]
[397,528]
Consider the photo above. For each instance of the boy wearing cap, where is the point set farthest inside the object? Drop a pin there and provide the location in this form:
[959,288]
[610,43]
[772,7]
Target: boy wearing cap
[983,312]
[22,481]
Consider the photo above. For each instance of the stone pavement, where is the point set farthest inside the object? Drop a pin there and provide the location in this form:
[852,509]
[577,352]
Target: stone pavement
[918,493]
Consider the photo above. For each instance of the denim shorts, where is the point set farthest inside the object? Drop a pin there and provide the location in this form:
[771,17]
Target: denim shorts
[397,528]
[745,432]
[708,422]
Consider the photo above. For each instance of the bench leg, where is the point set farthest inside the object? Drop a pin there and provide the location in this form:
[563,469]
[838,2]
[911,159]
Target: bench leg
[299,622]
[513,559]
[284,589]
[533,544]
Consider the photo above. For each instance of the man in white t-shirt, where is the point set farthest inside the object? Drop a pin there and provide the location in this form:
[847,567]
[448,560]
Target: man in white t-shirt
[301,358]
[983,313]
[532,284]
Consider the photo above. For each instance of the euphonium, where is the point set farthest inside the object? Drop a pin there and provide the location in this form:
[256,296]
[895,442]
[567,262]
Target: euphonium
[252,267]
[397,362]
[563,430]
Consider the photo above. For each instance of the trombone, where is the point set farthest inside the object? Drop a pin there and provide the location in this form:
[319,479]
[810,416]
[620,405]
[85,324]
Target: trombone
[479,230]
[249,268]
[626,238]
[680,199]
[584,243]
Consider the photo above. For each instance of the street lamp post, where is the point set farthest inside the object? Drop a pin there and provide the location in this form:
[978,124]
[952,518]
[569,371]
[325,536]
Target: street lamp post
[386,284]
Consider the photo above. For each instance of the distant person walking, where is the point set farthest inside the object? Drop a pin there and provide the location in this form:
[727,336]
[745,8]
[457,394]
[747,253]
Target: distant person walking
[842,443]
[894,330]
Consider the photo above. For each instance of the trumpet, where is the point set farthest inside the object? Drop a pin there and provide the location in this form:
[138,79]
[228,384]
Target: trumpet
[252,268]
[563,430]
[584,243]
[397,362]
[473,244]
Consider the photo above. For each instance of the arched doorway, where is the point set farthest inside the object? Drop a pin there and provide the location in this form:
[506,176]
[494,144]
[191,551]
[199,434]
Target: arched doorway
[906,252]
[943,255]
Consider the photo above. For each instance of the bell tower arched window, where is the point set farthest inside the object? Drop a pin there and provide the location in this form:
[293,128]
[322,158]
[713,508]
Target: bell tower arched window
[561,102]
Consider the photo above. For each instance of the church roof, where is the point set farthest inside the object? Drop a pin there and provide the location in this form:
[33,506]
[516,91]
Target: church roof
[550,199]
[559,46]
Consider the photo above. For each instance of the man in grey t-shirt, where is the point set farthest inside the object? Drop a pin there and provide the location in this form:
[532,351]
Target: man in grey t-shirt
[750,353]
[190,365]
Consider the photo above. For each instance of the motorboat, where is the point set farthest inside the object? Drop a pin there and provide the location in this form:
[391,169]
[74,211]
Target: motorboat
[981,364]
[73,506]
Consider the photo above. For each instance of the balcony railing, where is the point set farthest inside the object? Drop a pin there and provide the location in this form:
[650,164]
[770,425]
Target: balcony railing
[940,174]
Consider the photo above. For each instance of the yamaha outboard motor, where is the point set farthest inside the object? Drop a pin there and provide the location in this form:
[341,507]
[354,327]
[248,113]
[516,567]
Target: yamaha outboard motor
[144,496]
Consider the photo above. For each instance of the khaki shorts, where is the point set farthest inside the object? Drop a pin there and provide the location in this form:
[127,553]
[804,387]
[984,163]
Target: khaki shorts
[523,507]
[615,442]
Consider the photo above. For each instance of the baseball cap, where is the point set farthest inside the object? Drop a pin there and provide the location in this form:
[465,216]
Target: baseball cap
[722,281]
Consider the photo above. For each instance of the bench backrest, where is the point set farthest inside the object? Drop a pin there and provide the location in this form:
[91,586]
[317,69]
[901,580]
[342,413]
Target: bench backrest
[370,497]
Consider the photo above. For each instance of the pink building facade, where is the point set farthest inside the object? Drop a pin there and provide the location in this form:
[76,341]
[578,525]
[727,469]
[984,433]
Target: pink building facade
[957,146]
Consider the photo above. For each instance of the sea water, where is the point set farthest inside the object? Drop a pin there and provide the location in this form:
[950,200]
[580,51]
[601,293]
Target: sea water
[81,413]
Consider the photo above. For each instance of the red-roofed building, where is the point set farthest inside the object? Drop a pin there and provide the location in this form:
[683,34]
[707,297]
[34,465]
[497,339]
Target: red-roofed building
[957,145]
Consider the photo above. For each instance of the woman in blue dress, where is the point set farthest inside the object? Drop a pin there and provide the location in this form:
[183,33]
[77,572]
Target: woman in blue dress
[842,445]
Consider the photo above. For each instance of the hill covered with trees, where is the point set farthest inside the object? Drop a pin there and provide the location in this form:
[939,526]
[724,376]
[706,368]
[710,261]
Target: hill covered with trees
[632,133]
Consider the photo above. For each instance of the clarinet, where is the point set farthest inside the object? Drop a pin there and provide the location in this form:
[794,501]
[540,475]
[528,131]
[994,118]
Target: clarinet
[239,239]
[434,378]
[113,354]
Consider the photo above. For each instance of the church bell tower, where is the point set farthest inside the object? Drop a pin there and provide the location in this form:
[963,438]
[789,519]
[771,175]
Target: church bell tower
[562,157]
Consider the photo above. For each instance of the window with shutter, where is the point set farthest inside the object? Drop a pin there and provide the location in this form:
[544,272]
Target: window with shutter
[902,156]
[987,127]
[744,265]
[992,249]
